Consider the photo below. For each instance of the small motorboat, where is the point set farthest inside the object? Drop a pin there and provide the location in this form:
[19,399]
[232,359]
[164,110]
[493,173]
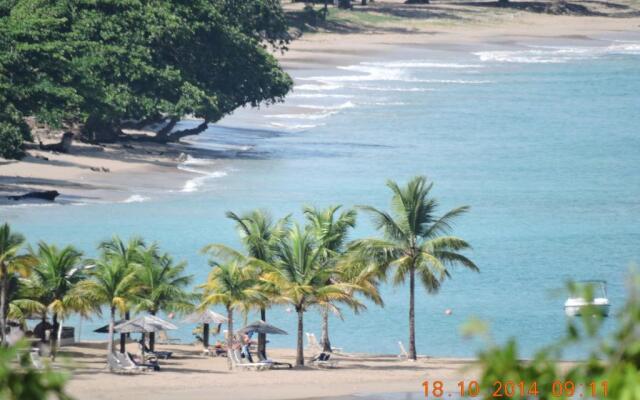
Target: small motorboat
[575,304]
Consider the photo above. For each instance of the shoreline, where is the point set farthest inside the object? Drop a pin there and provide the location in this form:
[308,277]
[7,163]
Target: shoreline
[188,375]
[139,171]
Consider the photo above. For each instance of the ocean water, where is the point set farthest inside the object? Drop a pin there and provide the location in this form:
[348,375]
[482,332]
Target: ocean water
[540,140]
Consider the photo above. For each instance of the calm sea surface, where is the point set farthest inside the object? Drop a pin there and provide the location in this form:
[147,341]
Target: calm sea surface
[542,141]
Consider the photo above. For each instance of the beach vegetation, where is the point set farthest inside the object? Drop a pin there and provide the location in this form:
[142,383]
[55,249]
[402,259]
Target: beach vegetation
[106,66]
[259,234]
[304,281]
[233,285]
[330,229]
[12,262]
[415,243]
[163,286]
[110,283]
[611,369]
[23,381]
[56,272]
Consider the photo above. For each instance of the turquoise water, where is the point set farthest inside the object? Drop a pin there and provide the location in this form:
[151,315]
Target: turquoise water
[542,142]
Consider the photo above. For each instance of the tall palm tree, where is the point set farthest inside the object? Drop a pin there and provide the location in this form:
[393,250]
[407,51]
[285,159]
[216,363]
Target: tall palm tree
[260,234]
[415,242]
[11,263]
[330,231]
[129,254]
[109,283]
[235,286]
[57,271]
[22,301]
[303,281]
[162,286]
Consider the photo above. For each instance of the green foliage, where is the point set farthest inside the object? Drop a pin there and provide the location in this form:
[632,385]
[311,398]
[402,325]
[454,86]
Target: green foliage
[415,243]
[24,382]
[614,362]
[13,131]
[103,62]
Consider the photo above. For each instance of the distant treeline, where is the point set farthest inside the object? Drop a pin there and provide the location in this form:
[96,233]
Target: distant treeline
[105,65]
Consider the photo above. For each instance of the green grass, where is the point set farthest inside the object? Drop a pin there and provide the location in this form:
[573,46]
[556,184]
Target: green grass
[364,18]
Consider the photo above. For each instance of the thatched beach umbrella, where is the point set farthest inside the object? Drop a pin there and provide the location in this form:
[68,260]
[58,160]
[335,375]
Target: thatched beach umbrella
[205,318]
[105,329]
[262,327]
[145,324]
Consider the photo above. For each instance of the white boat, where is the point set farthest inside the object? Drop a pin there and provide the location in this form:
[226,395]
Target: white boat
[600,303]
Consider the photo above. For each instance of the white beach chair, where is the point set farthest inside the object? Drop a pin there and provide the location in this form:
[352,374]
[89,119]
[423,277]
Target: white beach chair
[319,346]
[119,365]
[323,360]
[36,360]
[312,343]
[163,338]
[403,353]
[237,362]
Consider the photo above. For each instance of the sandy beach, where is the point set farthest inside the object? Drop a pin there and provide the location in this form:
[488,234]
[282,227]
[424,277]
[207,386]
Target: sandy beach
[124,172]
[188,375]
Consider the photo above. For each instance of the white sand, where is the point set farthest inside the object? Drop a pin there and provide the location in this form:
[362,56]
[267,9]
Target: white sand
[189,375]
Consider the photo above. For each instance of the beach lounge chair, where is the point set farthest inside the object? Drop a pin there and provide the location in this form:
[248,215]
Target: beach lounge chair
[323,360]
[319,346]
[36,360]
[118,366]
[273,364]
[403,353]
[312,343]
[150,363]
[164,355]
[163,338]
[237,361]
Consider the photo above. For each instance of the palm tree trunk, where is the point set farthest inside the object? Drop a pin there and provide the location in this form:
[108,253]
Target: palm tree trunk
[43,334]
[152,337]
[412,317]
[300,348]
[112,323]
[324,338]
[205,336]
[229,336]
[53,337]
[262,338]
[3,305]
[124,336]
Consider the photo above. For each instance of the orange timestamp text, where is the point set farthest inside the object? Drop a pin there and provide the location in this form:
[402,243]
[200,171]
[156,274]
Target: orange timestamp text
[512,389]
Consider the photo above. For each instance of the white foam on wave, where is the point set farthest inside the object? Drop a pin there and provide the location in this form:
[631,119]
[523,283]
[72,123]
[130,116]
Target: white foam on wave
[394,89]
[313,87]
[557,54]
[422,64]
[294,127]
[135,198]
[365,73]
[341,106]
[303,116]
[194,184]
[319,95]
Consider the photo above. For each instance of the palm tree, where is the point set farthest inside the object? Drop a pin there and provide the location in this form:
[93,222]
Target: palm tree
[330,231]
[22,301]
[129,254]
[11,263]
[235,286]
[415,242]
[303,280]
[163,285]
[110,283]
[56,273]
[259,235]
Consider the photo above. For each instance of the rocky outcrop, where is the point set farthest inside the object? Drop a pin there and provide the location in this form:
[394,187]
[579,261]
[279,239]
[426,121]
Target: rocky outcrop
[48,195]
